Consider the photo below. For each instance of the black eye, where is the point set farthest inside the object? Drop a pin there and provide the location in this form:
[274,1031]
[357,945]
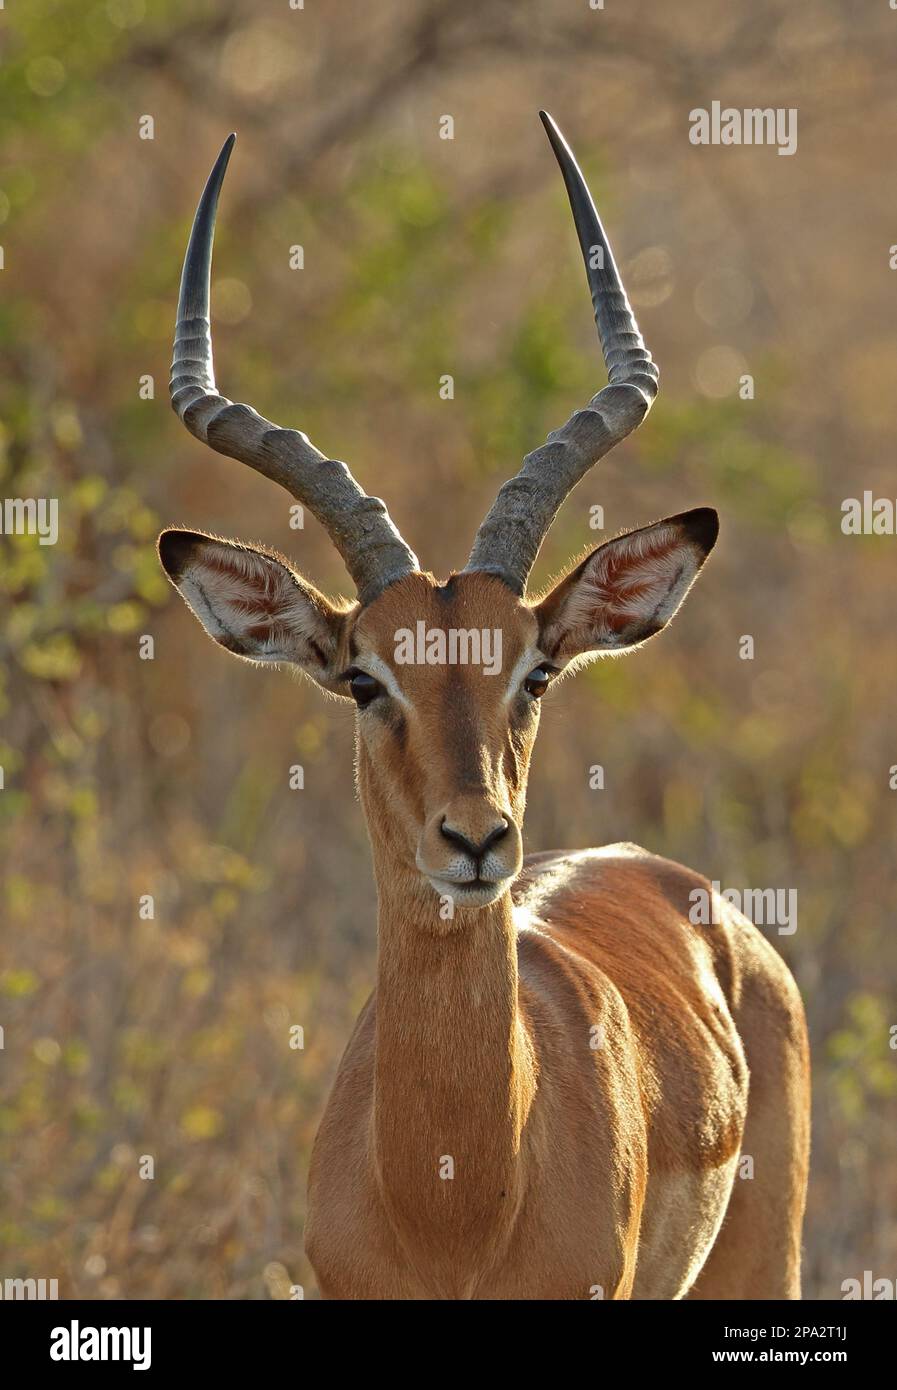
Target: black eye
[364,688]
[537,682]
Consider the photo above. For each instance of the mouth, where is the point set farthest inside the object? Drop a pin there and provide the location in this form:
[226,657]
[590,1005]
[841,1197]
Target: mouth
[475,892]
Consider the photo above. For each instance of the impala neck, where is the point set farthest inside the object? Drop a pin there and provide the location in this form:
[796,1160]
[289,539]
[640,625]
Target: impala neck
[453,1079]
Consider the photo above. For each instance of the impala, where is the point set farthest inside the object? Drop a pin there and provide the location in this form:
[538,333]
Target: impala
[550,1089]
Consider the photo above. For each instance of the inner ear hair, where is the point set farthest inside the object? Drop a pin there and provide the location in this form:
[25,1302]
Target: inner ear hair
[627,589]
[252,602]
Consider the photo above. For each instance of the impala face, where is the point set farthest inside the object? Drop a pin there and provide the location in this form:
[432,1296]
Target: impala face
[444,750]
[445,728]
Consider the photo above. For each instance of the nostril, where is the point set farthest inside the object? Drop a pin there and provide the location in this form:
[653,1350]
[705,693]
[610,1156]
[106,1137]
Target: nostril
[456,838]
[494,836]
[477,851]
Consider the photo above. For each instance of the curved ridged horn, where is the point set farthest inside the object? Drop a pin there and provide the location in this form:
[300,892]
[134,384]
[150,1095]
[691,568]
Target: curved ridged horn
[359,526]
[513,530]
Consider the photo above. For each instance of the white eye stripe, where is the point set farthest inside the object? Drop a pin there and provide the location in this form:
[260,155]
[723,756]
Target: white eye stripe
[377,668]
[531,658]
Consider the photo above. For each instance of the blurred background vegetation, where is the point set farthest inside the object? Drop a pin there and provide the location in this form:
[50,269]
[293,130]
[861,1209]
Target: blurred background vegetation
[423,256]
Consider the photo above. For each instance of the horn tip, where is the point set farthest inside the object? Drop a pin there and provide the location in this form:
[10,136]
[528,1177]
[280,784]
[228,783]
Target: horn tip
[555,137]
[223,159]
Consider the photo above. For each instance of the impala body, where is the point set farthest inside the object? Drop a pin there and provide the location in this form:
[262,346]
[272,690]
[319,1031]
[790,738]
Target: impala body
[551,1088]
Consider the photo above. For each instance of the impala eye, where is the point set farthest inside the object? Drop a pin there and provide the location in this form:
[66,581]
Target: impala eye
[364,688]
[537,682]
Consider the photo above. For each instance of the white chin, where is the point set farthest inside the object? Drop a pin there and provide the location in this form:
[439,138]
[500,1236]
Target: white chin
[470,895]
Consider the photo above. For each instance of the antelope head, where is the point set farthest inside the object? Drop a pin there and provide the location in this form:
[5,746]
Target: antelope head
[447,677]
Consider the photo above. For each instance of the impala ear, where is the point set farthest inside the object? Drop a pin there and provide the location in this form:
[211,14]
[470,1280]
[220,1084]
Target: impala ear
[253,604]
[627,589]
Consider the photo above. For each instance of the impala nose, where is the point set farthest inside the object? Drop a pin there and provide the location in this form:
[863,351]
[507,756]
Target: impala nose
[470,848]
[476,851]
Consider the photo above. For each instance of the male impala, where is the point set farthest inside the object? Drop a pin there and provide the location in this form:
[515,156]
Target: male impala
[548,1093]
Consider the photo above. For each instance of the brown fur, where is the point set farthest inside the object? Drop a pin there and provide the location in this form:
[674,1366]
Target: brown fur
[545,1100]
[548,1093]
[576,1169]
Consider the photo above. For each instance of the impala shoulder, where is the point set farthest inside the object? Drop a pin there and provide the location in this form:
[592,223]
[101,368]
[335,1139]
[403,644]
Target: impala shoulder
[676,883]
